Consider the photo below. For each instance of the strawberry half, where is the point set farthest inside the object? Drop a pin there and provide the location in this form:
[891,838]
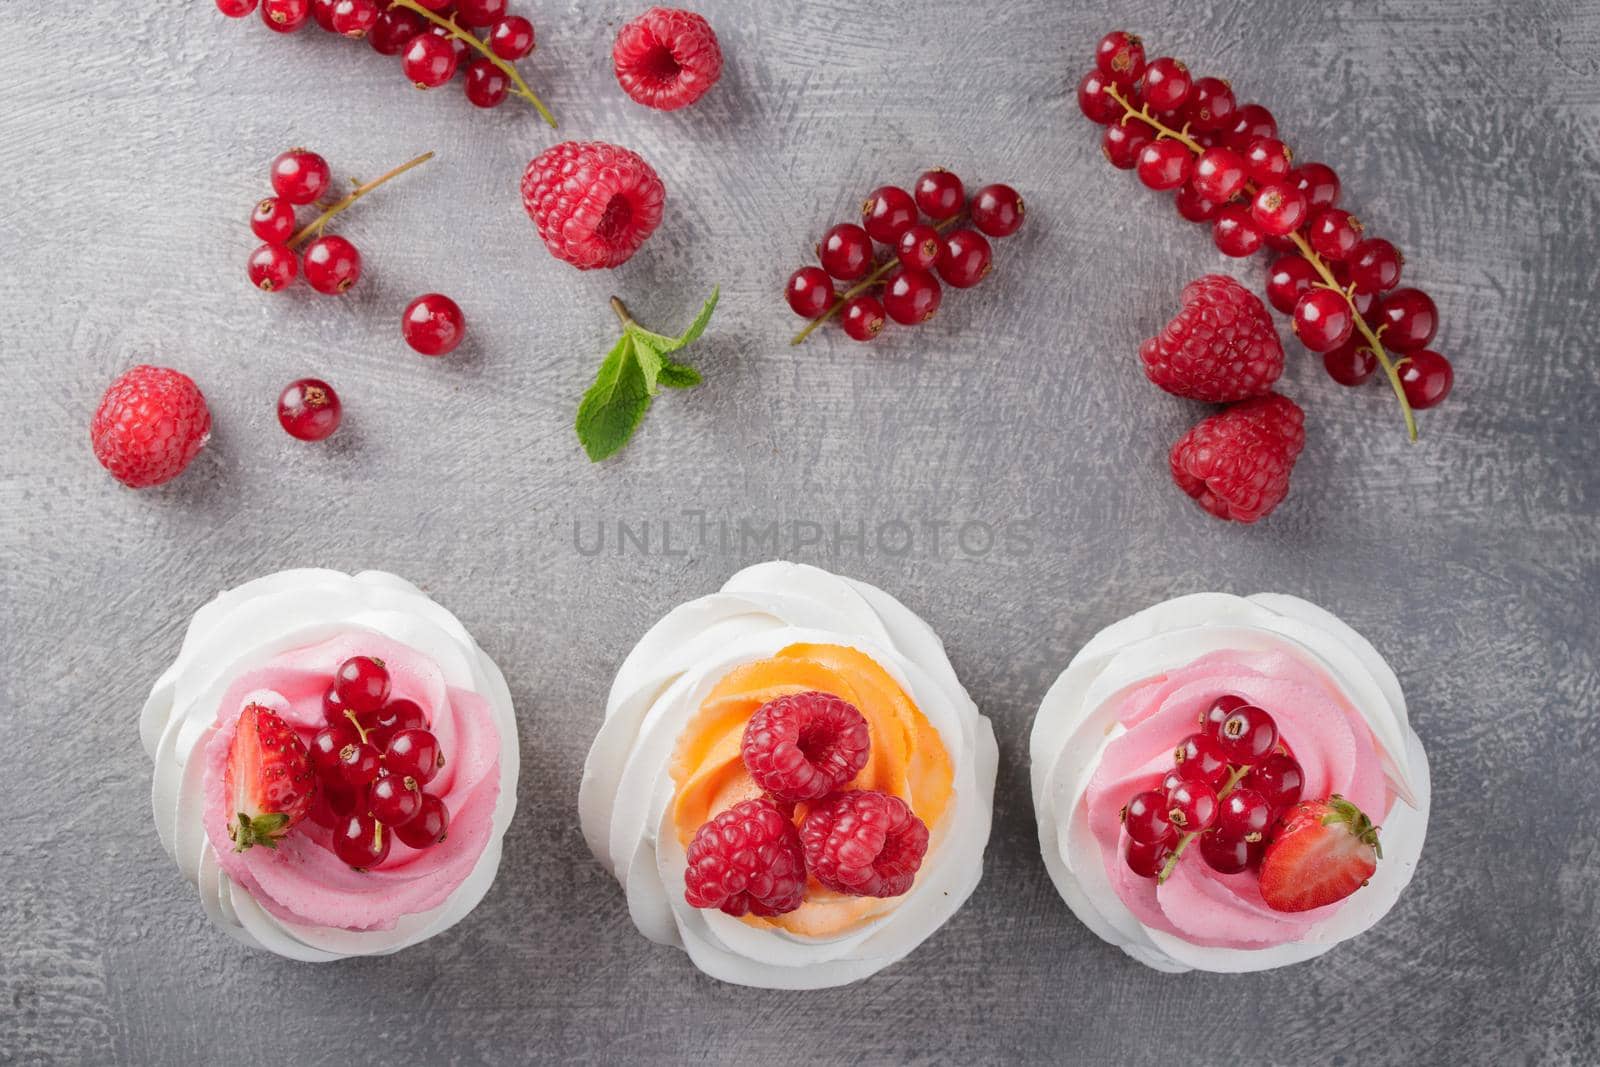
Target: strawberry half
[269,779]
[1324,851]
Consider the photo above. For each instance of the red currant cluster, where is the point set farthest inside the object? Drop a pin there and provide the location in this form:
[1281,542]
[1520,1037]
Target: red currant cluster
[1230,784]
[372,760]
[910,294]
[1229,170]
[433,38]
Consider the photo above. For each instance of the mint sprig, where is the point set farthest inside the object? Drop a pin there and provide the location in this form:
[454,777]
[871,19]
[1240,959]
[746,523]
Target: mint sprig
[633,372]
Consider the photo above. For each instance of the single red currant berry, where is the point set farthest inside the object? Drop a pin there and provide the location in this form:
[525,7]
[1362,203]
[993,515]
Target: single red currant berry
[236,9]
[511,38]
[1279,209]
[1224,854]
[863,317]
[1211,105]
[1323,320]
[1193,206]
[1245,814]
[430,826]
[810,292]
[362,683]
[846,252]
[309,410]
[1375,265]
[1352,363]
[911,296]
[1200,758]
[487,85]
[1146,818]
[395,716]
[1147,861]
[429,61]
[1167,84]
[997,210]
[361,841]
[1278,779]
[1192,807]
[1095,102]
[1267,159]
[1212,718]
[415,753]
[939,194]
[333,708]
[394,30]
[1249,122]
[1248,735]
[1120,57]
[1319,183]
[887,213]
[285,16]
[1234,232]
[458,47]
[1219,174]
[965,259]
[1288,279]
[1171,780]
[1426,377]
[433,324]
[1408,319]
[1122,143]
[1334,234]
[273,220]
[354,18]
[359,763]
[322,13]
[326,746]
[1164,164]
[300,176]
[476,14]
[273,268]
[395,799]
[919,247]
[332,264]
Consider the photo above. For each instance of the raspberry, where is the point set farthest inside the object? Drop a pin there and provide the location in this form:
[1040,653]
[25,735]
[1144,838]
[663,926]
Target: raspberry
[804,746]
[747,859]
[667,59]
[1236,465]
[864,843]
[151,423]
[1220,347]
[594,203]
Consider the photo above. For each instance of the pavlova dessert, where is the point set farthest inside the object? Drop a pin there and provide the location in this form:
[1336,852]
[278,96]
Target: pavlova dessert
[335,764]
[1228,784]
[790,783]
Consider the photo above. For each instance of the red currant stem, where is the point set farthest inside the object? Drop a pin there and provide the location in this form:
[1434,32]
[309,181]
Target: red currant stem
[360,730]
[519,86]
[1306,252]
[1183,842]
[875,278]
[316,225]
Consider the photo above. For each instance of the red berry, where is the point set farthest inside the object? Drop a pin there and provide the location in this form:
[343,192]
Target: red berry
[300,176]
[362,684]
[1249,122]
[965,259]
[911,296]
[864,843]
[1212,718]
[429,827]
[333,708]
[268,780]
[1323,320]
[433,325]
[939,194]
[1248,735]
[285,16]
[476,14]
[1245,815]
[810,292]
[273,220]
[805,746]
[309,409]
[1148,861]
[361,841]
[1408,318]
[1199,758]
[887,213]
[1352,363]
[322,13]
[1097,104]
[458,47]
[1167,84]
[511,38]
[1192,807]
[1375,265]
[1288,279]
[1234,232]
[1122,142]
[1236,465]
[919,246]
[326,746]
[1323,852]
[393,717]
[236,9]
[429,61]
[862,317]
[394,30]
[359,763]
[997,210]
[272,268]
[846,252]
[1226,854]
[748,859]
[1278,209]
[1193,206]
[394,799]
[594,204]
[1319,183]
[1120,57]
[667,58]
[1278,779]
[1211,105]
[354,18]
[1146,818]
[1220,347]
[486,85]
[1218,174]
[1334,234]
[1267,159]
[150,425]
[1426,377]
[1164,164]
[414,753]
[332,264]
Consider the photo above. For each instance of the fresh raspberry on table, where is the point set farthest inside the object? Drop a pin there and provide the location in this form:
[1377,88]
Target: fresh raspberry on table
[667,58]
[594,203]
[864,843]
[1220,347]
[1236,465]
[150,424]
[805,745]
[747,860]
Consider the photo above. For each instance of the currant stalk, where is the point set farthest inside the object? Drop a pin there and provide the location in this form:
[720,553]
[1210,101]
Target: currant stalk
[317,225]
[875,278]
[1183,842]
[1309,254]
[518,86]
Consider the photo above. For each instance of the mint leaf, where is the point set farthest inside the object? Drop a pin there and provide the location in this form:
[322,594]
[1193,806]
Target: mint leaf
[668,345]
[678,376]
[650,358]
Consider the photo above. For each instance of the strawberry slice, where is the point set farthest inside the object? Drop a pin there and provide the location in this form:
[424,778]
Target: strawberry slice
[1324,850]
[269,779]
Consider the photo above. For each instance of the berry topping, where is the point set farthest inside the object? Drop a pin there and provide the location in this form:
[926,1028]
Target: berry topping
[746,860]
[309,409]
[332,264]
[362,684]
[1220,347]
[1146,818]
[395,716]
[806,745]
[1200,758]
[327,745]
[1236,465]
[1227,854]
[667,58]
[150,425]
[1211,719]
[887,213]
[300,176]
[395,800]
[997,210]
[1426,377]
[1245,815]
[361,841]
[939,194]
[359,764]
[864,843]
[415,754]
[1148,860]
[433,325]
[594,204]
[1192,806]
[269,781]
[1278,780]
[1323,851]
[846,252]
[428,827]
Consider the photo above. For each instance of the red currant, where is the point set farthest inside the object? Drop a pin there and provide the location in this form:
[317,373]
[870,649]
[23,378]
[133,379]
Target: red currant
[1267,159]
[1288,279]
[1212,718]
[1319,183]
[863,317]
[1120,57]
[1219,174]
[939,194]
[362,683]
[1352,363]
[1279,209]
[359,763]
[1426,377]
[919,246]
[415,753]
[1248,734]
[429,827]
[1146,818]
[476,14]
[887,213]
[1164,164]
[1224,854]
[273,220]
[965,259]
[429,61]
[332,264]
[333,803]
[236,9]
[1147,861]
[322,13]
[433,325]
[1375,265]
[1323,320]
[395,716]
[333,708]
[326,746]
[1278,779]
[299,176]
[273,268]
[1167,84]
[1193,206]
[394,30]
[911,296]
[309,409]
[1249,122]
[1122,143]
[285,16]
[1192,807]
[487,85]
[997,210]
[1409,320]
[1235,232]
[395,800]
[1334,234]
[354,18]
[511,38]
[810,292]
[1211,105]
[1097,104]
[361,841]
[458,47]
[1245,814]
[1200,758]
[846,252]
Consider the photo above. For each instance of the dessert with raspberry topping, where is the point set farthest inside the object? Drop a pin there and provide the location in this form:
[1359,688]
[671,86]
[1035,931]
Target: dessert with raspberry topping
[1229,784]
[335,764]
[790,782]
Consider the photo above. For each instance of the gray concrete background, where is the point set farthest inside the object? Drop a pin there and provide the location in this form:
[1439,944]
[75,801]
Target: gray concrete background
[135,139]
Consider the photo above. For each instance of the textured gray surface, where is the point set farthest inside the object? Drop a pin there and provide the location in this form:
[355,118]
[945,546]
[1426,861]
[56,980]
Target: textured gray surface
[136,137]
